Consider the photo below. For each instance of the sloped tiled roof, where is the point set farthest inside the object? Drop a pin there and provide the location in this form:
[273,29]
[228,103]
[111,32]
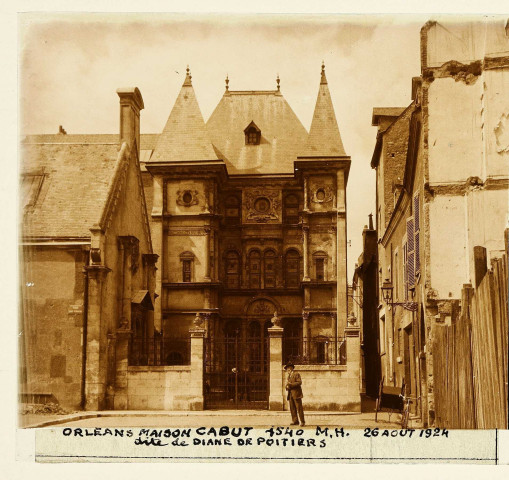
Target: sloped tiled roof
[184,137]
[74,188]
[324,138]
[147,140]
[282,133]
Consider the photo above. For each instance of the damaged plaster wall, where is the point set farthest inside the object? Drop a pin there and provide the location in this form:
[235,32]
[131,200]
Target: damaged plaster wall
[466,75]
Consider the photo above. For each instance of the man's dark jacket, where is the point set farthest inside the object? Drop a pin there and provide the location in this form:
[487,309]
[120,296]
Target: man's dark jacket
[294,385]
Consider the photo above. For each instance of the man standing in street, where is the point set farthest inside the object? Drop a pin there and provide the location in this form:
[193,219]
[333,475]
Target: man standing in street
[294,397]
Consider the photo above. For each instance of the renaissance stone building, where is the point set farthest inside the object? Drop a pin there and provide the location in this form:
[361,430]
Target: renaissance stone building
[249,218]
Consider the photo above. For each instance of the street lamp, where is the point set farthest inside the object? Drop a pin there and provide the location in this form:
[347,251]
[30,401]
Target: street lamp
[387,289]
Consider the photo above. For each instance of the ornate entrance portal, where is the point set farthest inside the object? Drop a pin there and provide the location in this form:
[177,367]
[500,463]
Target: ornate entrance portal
[236,374]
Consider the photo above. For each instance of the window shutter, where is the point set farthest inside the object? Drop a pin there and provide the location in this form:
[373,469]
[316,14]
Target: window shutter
[410,252]
[417,229]
[405,263]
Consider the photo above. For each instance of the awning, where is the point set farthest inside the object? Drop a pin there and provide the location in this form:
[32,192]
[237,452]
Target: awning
[142,297]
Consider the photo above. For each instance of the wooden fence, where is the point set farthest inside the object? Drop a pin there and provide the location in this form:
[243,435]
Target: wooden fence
[470,357]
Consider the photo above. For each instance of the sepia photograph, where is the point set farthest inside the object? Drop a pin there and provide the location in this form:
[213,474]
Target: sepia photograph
[269,230]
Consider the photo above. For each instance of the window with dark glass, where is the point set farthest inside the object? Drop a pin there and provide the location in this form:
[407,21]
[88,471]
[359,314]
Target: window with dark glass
[319,268]
[292,340]
[320,264]
[232,210]
[186,270]
[232,269]
[269,263]
[186,262]
[254,269]
[254,341]
[292,268]
[253,134]
[291,209]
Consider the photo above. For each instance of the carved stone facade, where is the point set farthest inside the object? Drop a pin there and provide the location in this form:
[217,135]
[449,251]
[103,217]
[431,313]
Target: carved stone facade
[251,231]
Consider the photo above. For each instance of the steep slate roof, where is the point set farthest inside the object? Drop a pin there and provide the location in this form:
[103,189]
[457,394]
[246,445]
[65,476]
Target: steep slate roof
[74,188]
[185,137]
[324,139]
[282,133]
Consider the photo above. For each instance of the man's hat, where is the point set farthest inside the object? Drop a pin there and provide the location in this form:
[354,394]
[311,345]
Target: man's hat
[289,364]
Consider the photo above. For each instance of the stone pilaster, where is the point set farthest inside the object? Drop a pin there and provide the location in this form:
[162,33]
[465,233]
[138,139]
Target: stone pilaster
[305,235]
[276,392]
[341,275]
[207,253]
[197,356]
[305,332]
[95,370]
[121,365]
[353,366]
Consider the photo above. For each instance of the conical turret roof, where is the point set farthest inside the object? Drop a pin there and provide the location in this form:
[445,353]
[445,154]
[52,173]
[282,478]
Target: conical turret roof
[324,139]
[184,137]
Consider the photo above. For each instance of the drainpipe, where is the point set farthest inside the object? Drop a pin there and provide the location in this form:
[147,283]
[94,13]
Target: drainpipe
[85,324]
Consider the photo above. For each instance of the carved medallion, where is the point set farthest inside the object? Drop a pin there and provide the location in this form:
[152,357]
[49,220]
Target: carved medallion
[187,198]
[262,205]
[322,194]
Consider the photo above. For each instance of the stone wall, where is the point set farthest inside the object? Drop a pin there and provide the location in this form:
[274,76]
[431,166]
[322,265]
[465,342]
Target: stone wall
[159,388]
[328,387]
[52,329]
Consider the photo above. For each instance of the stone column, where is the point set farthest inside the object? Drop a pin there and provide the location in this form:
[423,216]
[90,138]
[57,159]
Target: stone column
[195,386]
[95,365]
[276,392]
[305,333]
[305,234]
[207,254]
[306,200]
[353,367]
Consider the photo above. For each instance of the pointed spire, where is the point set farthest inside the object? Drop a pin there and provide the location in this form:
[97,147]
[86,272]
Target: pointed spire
[184,137]
[187,81]
[324,139]
[277,81]
[227,81]
[323,80]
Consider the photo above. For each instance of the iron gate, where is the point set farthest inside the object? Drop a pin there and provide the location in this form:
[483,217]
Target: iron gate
[236,374]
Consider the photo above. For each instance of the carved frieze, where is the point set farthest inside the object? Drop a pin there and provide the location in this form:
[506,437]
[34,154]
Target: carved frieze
[187,231]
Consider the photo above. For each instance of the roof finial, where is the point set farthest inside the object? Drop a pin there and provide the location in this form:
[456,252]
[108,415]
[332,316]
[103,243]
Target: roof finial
[324,78]
[227,81]
[187,81]
[277,81]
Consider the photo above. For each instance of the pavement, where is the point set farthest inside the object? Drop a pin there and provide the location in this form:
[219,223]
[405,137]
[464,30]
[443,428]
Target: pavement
[212,418]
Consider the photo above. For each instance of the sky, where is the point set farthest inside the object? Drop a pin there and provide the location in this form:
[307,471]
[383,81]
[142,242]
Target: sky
[72,64]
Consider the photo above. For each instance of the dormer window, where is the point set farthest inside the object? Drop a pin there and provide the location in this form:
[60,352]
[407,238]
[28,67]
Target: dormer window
[253,134]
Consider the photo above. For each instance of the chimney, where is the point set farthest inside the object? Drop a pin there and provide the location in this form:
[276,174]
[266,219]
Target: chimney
[131,103]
